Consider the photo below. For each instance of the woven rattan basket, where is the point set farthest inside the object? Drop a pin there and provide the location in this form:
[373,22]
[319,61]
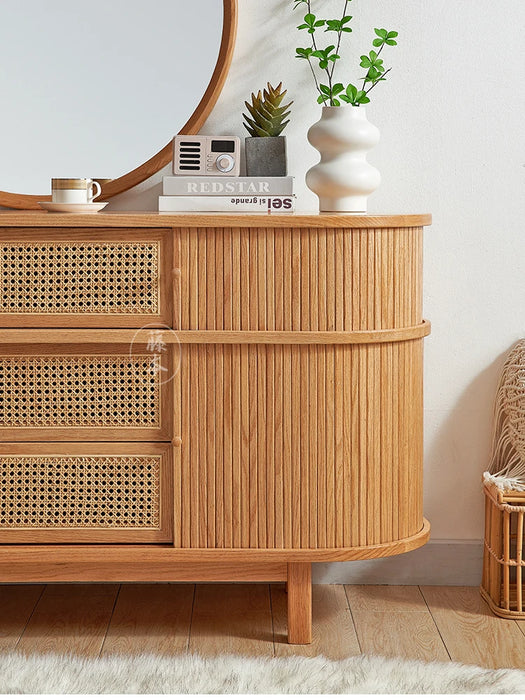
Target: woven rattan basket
[503,582]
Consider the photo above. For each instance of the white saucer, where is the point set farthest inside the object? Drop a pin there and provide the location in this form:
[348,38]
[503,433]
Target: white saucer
[90,208]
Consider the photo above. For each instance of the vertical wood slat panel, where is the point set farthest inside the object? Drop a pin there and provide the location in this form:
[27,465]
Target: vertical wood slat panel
[306,449]
[301,470]
[213,457]
[301,279]
[237,442]
[228,438]
[202,473]
[186,481]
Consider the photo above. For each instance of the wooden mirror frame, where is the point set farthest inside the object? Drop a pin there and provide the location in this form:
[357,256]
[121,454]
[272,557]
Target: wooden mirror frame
[13,200]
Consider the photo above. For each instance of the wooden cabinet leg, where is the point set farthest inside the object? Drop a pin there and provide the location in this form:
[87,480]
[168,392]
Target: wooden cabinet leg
[300,603]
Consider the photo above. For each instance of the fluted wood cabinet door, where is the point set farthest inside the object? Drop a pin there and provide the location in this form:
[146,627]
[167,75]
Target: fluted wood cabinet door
[300,446]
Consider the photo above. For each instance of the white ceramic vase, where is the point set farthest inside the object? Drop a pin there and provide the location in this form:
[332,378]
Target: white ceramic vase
[343,178]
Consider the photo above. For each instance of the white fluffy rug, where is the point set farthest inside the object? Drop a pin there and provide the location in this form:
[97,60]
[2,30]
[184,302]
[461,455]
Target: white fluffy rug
[233,674]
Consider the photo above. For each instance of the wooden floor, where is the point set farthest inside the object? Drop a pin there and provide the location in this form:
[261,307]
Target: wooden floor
[427,622]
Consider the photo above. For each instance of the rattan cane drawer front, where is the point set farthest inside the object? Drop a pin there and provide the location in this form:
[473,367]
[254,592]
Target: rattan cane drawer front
[72,392]
[85,278]
[97,492]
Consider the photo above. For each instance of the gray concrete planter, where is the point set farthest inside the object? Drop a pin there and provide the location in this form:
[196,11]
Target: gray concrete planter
[266,156]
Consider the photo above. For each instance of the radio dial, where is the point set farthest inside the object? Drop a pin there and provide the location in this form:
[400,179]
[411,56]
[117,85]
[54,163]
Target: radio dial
[225,163]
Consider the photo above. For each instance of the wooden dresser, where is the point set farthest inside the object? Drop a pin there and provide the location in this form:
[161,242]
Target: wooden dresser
[209,397]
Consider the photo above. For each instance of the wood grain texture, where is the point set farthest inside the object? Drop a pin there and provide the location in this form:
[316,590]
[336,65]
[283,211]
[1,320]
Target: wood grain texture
[381,264]
[231,619]
[411,635]
[385,599]
[333,632]
[216,219]
[395,621]
[10,336]
[70,619]
[310,501]
[136,563]
[294,427]
[150,619]
[299,589]
[471,633]
[17,604]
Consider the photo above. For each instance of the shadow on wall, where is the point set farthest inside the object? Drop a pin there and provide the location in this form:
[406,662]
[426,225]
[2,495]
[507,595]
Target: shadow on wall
[143,197]
[458,450]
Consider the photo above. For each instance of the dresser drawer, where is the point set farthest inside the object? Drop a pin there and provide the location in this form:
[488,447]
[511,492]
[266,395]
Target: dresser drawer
[94,392]
[94,492]
[85,278]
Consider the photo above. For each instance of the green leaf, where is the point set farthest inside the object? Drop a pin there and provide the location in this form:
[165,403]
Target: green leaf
[337,88]
[351,91]
[303,53]
[325,89]
[333,57]
[381,33]
[335,103]
[346,29]
[345,98]
[346,19]
[332,25]
[391,42]
[378,42]
[321,99]
[392,35]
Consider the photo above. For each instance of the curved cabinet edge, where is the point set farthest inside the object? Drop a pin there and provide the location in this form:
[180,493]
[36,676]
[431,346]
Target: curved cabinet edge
[160,562]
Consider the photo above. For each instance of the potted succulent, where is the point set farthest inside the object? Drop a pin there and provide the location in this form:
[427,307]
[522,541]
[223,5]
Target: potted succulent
[265,148]
[343,178]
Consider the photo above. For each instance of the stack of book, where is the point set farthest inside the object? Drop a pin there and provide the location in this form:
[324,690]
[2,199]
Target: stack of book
[209,193]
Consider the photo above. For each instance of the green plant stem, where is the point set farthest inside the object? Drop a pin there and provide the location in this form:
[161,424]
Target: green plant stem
[364,81]
[339,35]
[314,46]
[377,81]
[315,80]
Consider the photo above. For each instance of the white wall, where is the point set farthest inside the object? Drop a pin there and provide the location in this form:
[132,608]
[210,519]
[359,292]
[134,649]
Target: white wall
[453,144]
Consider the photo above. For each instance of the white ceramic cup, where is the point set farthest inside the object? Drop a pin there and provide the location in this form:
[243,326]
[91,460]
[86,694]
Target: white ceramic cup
[74,190]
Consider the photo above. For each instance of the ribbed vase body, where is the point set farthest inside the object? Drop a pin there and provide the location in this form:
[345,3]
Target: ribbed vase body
[343,179]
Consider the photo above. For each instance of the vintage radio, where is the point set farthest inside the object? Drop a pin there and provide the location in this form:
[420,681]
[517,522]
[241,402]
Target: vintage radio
[207,155]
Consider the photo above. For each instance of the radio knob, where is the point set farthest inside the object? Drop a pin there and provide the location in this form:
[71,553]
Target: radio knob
[225,163]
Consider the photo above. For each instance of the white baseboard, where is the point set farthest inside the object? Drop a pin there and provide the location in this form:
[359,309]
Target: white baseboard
[438,563]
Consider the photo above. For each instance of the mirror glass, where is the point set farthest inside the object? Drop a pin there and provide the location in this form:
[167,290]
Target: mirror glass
[94,89]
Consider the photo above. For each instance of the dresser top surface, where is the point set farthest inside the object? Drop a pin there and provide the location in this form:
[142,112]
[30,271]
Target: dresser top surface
[9,218]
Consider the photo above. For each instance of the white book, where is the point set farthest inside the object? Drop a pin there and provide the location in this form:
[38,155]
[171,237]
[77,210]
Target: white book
[223,186]
[265,205]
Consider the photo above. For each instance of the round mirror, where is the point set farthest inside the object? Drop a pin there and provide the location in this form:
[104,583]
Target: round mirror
[98,89]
